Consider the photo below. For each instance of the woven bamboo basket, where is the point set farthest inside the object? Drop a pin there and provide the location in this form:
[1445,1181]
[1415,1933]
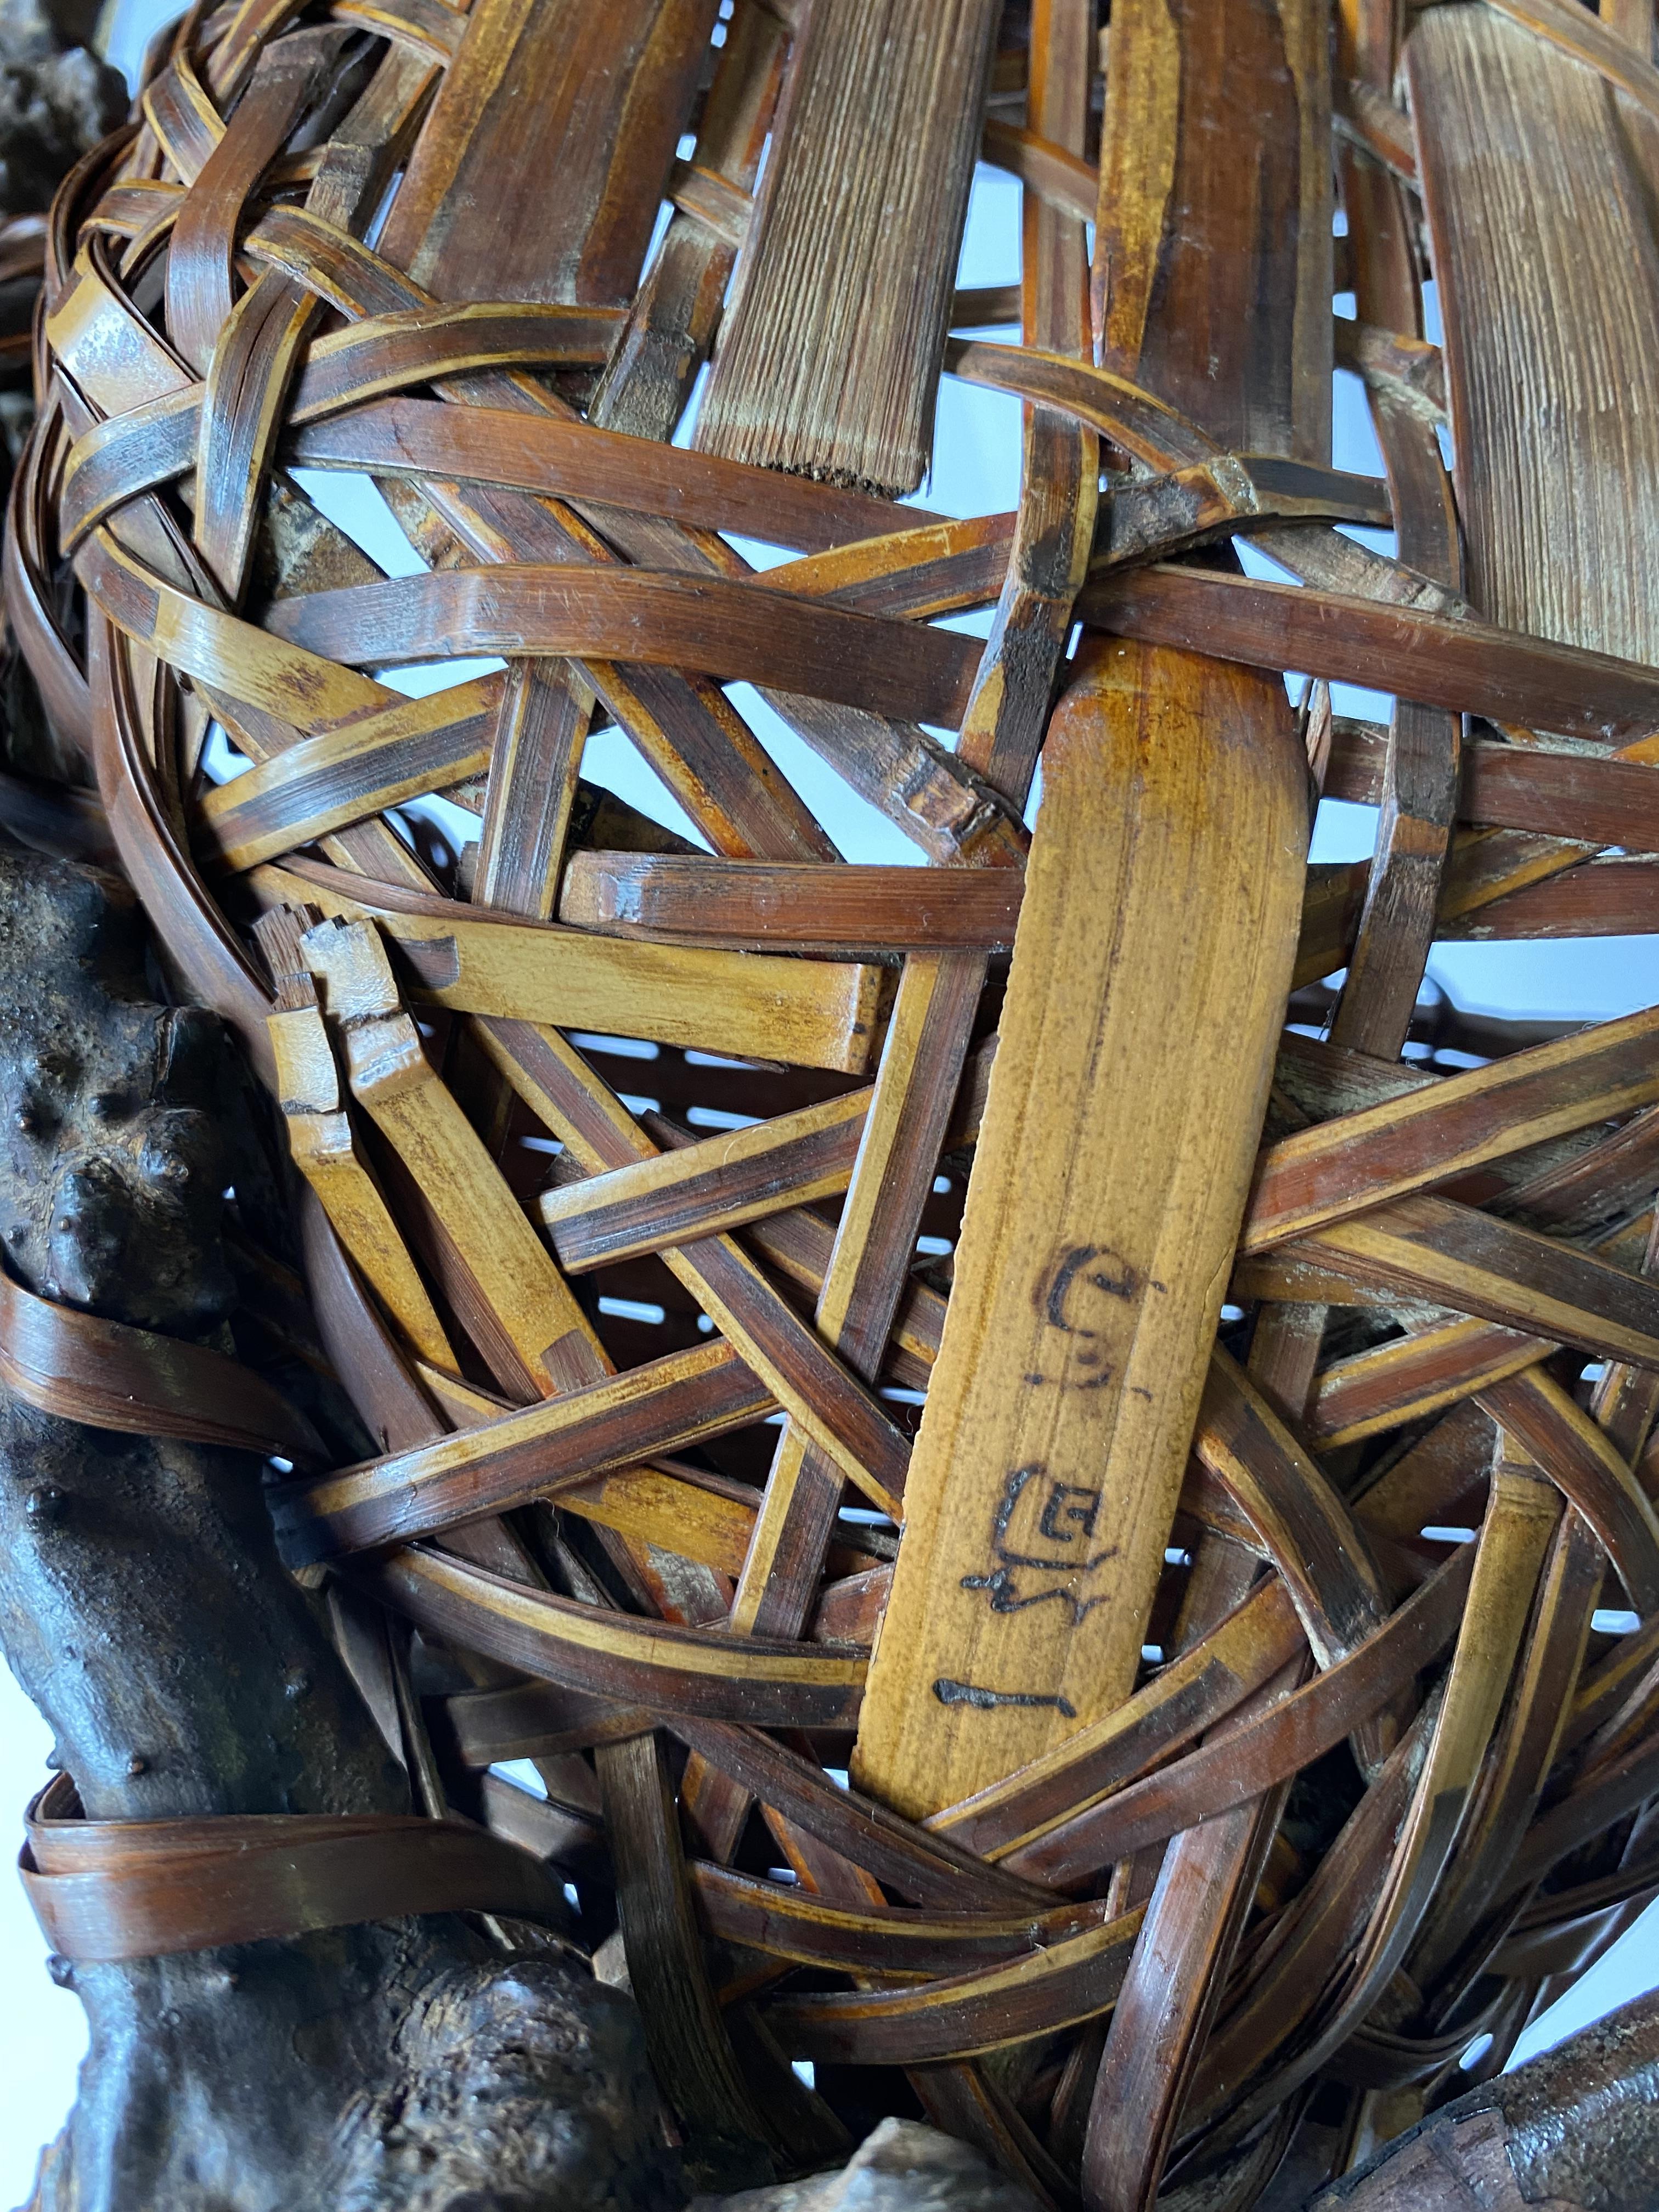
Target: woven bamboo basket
[1037,1455]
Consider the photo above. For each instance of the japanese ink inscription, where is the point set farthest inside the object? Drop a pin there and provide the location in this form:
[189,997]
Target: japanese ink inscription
[1160,915]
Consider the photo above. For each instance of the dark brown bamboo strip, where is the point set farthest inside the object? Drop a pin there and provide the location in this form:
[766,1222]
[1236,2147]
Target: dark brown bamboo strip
[418,438]
[881,1943]
[828,361]
[1421,765]
[677,309]
[1588,1468]
[1454,1256]
[1312,1538]
[690,2049]
[738,633]
[695,738]
[1597,799]
[1071,1980]
[612,1655]
[1059,460]
[929,1870]
[660,1407]
[738,1177]
[1465,666]
[1256,1639]
[1442,1130]
[552,139]
[1178,223]
[759,903]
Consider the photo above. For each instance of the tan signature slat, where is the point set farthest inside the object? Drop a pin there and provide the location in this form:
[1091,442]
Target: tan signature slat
[1090,1269]
[799,906]
[1358,1160]
[815,1014]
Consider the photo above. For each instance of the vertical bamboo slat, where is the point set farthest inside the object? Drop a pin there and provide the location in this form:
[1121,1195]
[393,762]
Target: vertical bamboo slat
[828,360]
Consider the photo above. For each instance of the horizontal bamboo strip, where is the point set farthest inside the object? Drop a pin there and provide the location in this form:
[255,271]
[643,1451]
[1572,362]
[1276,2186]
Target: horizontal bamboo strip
[737,632]
[662,1406]
[762,902]
[816,1014]
[1348,1164]
[612,1655]
[718,1184]
[1466,666]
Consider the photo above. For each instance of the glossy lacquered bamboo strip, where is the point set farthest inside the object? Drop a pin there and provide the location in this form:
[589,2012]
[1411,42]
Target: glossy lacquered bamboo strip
[736,633]
[1072,1979]
[796,906]
[1090,1271]
[1257,1639]
[350,773]
[614,1654]
[1455,1256]
[1358,1160]
[885,1944]
[1469,666]
[1255,1749]
[606,1424]
[815,1014]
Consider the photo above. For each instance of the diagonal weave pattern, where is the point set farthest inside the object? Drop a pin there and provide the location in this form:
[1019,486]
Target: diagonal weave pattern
[1308,1799]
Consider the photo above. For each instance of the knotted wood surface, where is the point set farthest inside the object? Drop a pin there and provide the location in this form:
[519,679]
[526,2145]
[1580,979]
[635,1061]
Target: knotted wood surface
[1247,1501]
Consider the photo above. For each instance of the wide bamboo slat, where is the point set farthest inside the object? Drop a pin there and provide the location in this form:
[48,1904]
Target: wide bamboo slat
[1046,1393]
